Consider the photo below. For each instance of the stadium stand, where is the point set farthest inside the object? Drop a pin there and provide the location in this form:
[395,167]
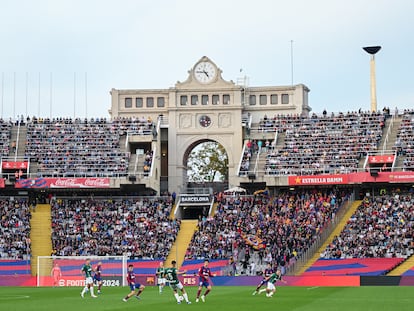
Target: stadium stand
[376,239]
[404,143]
[251,229]
[322,145]
[134,126]
[382,227]
[279,228]
[76,148]
[139,228]
[5,128]
[14,229]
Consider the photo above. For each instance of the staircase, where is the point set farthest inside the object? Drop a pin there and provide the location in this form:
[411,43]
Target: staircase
[280,144]
[281,137]
[19,136]
[132,158]
[41,237]
[389,141]
[131,165]
[122,142]
[400,269]
[13,139]
[177,251]
[252,168]
[337,231]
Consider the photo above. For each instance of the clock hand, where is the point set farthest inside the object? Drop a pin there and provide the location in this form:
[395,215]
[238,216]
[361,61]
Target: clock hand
[205,72]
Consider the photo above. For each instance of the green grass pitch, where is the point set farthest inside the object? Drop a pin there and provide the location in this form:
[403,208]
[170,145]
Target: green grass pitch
[221,298]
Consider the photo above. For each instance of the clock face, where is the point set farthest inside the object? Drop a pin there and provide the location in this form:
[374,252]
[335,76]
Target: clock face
[205,72]
[205,121]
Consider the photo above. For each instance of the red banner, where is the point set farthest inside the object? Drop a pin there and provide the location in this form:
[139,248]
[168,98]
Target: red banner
[309,180]
[8,165]
[353,178]
[103,182]
[2,183]
[387,177]
[381,159]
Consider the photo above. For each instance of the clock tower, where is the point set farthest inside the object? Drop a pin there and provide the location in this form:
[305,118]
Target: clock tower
[207,108]
[204,107]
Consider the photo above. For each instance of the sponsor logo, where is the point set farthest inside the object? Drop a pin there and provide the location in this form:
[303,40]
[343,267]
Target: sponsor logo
[189,280]
[195,199]
[64,183]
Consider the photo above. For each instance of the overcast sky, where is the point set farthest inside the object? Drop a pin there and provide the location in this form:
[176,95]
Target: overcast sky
[152,44]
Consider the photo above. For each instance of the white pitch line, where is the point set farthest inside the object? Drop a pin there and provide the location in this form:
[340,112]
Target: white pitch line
[314,287]
[11,297]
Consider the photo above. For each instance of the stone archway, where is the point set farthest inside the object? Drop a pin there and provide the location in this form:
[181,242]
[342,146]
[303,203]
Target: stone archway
[206,161]
[184,146]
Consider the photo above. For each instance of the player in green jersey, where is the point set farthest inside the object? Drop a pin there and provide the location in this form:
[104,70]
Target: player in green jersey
[271,281]
[87,270]
[161,277]
[171,275]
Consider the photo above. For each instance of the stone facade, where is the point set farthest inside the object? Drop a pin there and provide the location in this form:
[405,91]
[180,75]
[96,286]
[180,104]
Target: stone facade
[205,107]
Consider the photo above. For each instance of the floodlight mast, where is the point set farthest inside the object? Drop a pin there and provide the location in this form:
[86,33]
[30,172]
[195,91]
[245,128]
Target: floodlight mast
[372,50]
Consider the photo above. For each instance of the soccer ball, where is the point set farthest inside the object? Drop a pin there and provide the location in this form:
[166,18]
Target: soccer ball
[180,298]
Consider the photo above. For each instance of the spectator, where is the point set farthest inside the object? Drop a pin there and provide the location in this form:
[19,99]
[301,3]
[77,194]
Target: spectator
[138,228]
[380,227]
[14,229]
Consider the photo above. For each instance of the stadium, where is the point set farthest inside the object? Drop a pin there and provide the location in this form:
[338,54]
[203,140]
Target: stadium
[325,197]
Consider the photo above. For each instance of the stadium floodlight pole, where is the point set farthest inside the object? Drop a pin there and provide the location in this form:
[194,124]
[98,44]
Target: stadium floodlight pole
[372,50]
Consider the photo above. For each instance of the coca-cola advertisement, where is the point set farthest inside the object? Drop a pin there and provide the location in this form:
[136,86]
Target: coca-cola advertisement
[92,182]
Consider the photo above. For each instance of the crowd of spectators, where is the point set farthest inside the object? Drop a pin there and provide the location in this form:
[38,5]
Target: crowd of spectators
[382,226]
[77,148]
[322,145]
[66,147]
[279,228]
[14,229]
[139,228]
[5,130]
[404,143]
[135,125]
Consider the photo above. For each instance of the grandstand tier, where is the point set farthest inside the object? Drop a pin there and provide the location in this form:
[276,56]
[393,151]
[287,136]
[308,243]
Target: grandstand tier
[276,225]
[338,228]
